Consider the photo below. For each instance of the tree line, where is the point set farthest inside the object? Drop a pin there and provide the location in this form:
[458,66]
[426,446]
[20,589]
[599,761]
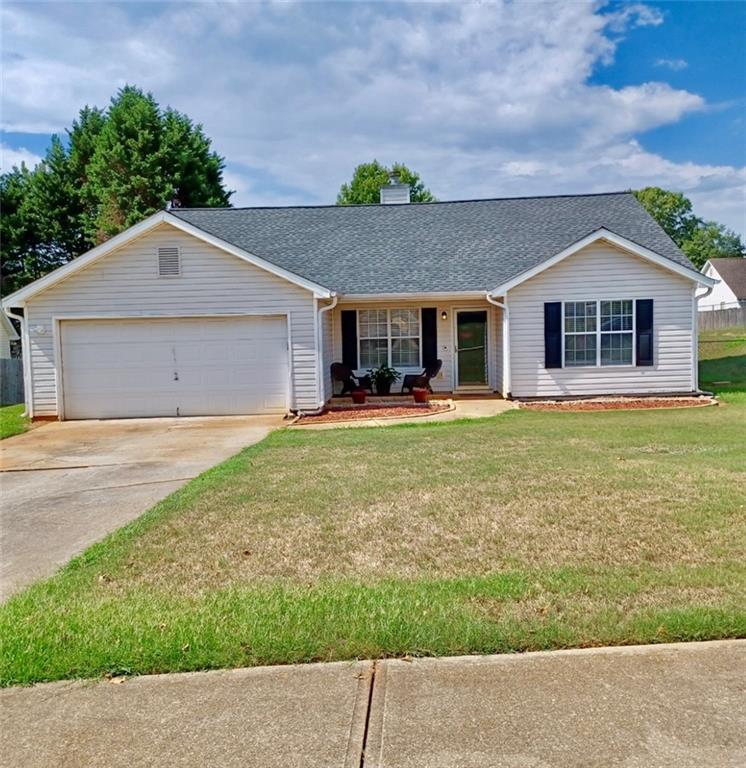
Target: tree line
[118,165]
[115,167]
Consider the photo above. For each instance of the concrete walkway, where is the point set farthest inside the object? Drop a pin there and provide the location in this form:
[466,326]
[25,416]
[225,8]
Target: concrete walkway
[468,408]
[679,705]
[65,485]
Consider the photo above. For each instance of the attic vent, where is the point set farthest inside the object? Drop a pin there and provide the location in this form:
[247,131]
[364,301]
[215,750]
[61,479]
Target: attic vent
[168,262]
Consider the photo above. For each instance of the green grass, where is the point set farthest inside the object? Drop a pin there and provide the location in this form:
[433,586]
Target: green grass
[723,360]
[12,420]
[532,530]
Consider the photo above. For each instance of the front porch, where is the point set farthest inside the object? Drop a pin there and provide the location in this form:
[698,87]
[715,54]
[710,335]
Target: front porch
[465,334]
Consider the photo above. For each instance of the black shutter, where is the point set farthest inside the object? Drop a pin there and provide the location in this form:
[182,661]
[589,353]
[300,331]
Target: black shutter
[349,338]
[644,331]
[429,336]
[553,334]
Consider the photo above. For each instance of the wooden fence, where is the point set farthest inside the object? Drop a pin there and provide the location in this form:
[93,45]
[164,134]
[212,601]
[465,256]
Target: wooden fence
[719,319]
[11,381]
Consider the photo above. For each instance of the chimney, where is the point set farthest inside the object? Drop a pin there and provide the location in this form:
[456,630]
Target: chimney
[394,193]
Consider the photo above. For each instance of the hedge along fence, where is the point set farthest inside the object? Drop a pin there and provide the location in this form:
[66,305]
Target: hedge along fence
[11,381]
[720,319]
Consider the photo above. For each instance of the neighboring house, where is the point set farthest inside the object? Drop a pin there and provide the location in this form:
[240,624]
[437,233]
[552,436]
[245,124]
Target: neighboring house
[730,291]
[7,334]
[231,311]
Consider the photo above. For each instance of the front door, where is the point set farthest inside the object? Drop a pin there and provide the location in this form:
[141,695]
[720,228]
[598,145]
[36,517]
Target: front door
[471,348]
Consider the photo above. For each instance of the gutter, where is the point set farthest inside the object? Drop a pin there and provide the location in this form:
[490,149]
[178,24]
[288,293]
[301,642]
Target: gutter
[320,356]
[505,340]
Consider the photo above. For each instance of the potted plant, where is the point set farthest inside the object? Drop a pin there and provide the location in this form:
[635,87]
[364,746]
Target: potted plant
[421,394]
[383,377]
[358,396]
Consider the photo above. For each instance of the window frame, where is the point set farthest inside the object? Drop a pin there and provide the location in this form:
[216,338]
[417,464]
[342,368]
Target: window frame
[599,333]
[389,338]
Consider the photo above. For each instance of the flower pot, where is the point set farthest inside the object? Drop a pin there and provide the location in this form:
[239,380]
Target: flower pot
[358,396]
[421,395]
[383,387]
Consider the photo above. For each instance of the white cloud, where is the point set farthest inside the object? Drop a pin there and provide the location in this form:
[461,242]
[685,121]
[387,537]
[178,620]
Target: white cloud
[673,64]
[10,157]
[483,99]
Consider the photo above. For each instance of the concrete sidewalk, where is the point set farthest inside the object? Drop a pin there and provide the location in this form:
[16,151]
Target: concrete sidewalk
[669,705]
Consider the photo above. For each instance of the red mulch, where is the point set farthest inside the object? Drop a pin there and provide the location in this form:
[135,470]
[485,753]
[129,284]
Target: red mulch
[619,405]
[373,412]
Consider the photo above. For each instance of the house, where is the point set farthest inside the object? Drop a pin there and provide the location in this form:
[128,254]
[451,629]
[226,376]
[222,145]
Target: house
[7,334]
[730,291]
[232,311]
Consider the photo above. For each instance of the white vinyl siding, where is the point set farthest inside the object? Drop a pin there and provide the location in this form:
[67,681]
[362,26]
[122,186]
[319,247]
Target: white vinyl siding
[604,272]
[211,282]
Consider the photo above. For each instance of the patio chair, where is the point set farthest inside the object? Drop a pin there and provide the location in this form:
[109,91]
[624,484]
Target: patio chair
[422,380]
[340,372]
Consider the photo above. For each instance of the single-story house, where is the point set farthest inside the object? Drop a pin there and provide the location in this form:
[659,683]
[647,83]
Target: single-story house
[243,310]
[7,334]
[730,291]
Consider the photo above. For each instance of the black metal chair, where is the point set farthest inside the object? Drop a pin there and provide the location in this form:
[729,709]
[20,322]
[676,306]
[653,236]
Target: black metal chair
[422,380]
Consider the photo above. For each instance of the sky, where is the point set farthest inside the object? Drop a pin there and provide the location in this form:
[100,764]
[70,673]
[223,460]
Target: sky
[484,99]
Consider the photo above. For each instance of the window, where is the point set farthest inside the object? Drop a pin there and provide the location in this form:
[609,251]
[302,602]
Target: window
[616,332]
[390,336]
[580,333]
[169,262]
[598,332]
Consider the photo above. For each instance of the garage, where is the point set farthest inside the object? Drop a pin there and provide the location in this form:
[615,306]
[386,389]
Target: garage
[186,366]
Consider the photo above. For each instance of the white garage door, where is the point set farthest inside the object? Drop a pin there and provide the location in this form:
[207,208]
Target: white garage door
[174,367]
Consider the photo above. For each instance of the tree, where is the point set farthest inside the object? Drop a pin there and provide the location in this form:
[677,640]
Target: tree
[699,240]
[144,158]
[368,178]
[19,242]
[115,168]
[711,240]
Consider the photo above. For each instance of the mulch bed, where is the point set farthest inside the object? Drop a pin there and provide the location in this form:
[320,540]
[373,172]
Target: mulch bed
[619,405]
[374,412]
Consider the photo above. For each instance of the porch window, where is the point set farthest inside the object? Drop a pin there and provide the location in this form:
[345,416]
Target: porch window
[390,336]
[598,333]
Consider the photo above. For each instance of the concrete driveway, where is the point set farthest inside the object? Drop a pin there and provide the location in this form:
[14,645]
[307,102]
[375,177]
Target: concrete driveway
[67,484]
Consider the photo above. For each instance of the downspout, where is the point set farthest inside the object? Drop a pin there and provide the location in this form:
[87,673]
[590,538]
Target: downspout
[506,341]
[25,358]
[695,334]
[319,358]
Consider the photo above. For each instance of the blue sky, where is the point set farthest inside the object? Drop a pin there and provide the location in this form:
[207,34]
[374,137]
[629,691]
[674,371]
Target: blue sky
[483,99]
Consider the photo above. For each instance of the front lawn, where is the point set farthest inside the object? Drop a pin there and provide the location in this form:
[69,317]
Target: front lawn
[12,420]
[527,531]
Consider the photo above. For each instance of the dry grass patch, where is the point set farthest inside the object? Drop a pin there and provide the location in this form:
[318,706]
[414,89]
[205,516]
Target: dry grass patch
[525,490]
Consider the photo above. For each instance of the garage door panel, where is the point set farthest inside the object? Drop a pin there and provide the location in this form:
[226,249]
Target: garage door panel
[166,367]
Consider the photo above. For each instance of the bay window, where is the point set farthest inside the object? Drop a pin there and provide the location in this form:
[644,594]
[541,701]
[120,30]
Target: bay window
[389,336]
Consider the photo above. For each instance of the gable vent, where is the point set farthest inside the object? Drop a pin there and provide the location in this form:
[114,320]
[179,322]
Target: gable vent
[169,264]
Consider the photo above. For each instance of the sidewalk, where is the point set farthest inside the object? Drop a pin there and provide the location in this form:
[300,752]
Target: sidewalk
[676,705]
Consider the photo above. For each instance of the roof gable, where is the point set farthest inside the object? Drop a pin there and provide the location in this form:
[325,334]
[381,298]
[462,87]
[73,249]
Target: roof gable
[733,272]
[138,230]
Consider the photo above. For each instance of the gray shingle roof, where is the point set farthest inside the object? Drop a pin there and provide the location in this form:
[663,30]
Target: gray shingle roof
[471,245]
[733,272]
